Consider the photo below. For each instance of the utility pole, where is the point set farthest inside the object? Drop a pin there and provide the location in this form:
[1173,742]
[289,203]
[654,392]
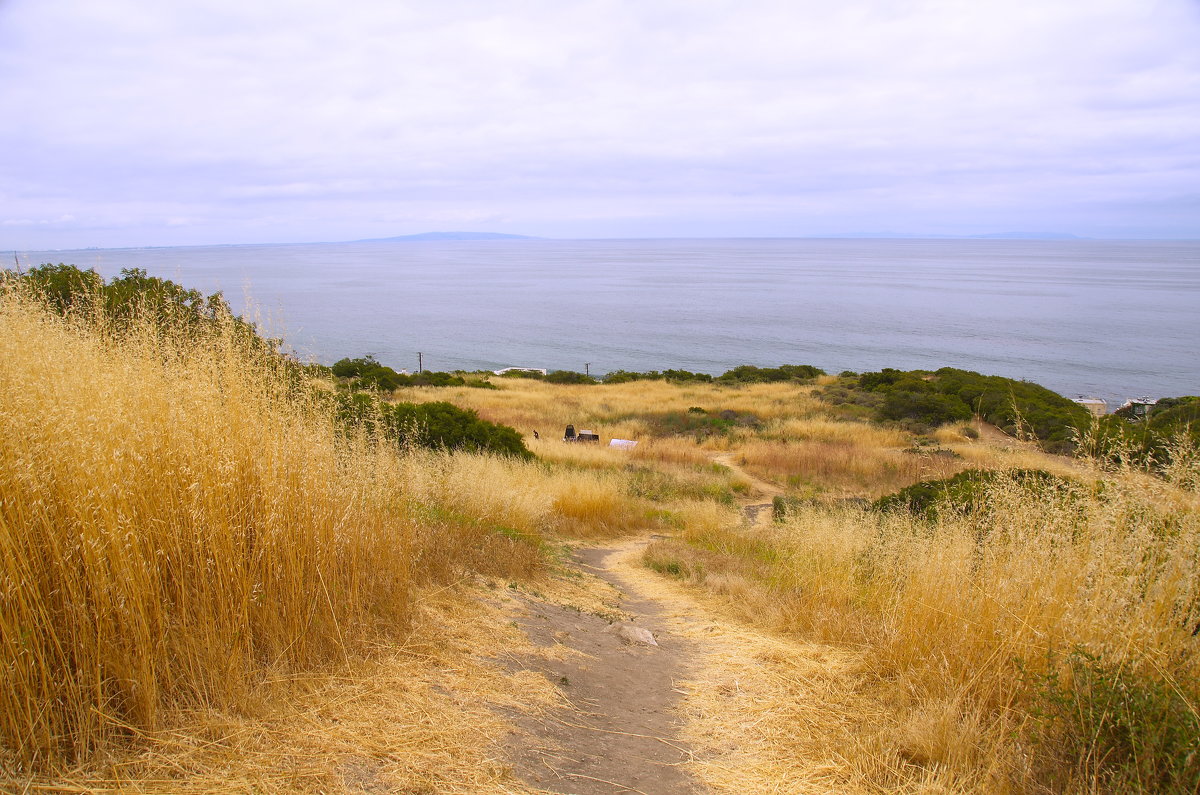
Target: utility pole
[586,369]
[420,363]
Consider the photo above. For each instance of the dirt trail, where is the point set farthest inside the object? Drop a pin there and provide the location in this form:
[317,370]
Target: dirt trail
[616,731]
[755,511]
[717,706]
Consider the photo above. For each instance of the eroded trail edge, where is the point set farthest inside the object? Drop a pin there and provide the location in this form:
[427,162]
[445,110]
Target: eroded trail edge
[616,729]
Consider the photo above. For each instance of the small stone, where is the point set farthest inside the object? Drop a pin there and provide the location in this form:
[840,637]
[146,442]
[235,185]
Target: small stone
[630,634]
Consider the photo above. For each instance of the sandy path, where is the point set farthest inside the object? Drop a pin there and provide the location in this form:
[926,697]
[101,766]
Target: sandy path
[755,511]
[616,731]
[718,707]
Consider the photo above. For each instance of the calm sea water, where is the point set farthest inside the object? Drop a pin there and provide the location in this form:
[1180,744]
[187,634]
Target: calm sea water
[1106,318]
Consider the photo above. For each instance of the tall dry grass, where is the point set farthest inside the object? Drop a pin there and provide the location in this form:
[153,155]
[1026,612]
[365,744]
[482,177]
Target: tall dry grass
[847,467]
[530,500]
[1044,640]
[181,522]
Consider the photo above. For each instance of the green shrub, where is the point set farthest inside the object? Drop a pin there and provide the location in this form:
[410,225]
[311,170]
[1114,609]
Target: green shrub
[951,395]
[625,376]
[173,308]
[697,422]
[64,287]
[1172,415]
[432,378]
[1110,724]
[569,377]
[686,375]
[1122,437]
[353,368]
[437,425]
[962,492]
[926,406]
[782,507]
[367,373]
[749,374]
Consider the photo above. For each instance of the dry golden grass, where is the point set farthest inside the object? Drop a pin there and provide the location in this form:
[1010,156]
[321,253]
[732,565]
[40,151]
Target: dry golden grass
[953,617]
[671,451]
[418,715]
[166,521]
[825,429]
[615,410]
[847,468]
[179,528]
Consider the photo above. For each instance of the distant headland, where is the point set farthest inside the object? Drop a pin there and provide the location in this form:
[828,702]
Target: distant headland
[447,236]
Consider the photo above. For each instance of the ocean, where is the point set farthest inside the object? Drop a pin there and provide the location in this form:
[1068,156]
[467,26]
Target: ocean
[1111,319]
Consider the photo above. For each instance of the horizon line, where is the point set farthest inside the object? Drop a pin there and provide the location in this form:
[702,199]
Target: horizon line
[418,238]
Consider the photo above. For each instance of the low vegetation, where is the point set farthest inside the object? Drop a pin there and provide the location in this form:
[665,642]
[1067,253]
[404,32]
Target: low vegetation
[436,425]
[968,491]
[1146,440]
[920,399]
[366,373]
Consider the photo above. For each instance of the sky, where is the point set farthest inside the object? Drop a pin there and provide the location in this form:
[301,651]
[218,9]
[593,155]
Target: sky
[131,123]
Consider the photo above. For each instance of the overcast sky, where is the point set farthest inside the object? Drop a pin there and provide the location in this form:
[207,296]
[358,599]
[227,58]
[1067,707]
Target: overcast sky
[129,122]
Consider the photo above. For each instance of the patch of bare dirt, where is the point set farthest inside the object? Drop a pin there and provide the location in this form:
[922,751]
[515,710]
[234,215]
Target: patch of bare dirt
[617,729]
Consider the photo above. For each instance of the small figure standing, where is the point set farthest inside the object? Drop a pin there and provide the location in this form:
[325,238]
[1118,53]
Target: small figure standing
[535,435]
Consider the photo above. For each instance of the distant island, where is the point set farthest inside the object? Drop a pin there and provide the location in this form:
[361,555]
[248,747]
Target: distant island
[931,236]
[447,236]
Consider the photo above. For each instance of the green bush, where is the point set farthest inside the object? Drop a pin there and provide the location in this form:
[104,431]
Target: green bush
[925,406]
[353,368]
[625,376]
[686,375]
[432,378]
[962,492]
[569,377]
[749,374]
[696,422]
[951,395]
[367,373]
[174,308]
[1146,442]
[782,507]
[1175,414]
[64,287]
[437,425]
[1110,724]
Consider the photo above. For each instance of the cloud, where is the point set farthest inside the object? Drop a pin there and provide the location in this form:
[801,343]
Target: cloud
[59,221]
[599,118]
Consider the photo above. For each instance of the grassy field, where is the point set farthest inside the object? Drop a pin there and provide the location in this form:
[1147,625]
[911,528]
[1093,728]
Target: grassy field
[206,576]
